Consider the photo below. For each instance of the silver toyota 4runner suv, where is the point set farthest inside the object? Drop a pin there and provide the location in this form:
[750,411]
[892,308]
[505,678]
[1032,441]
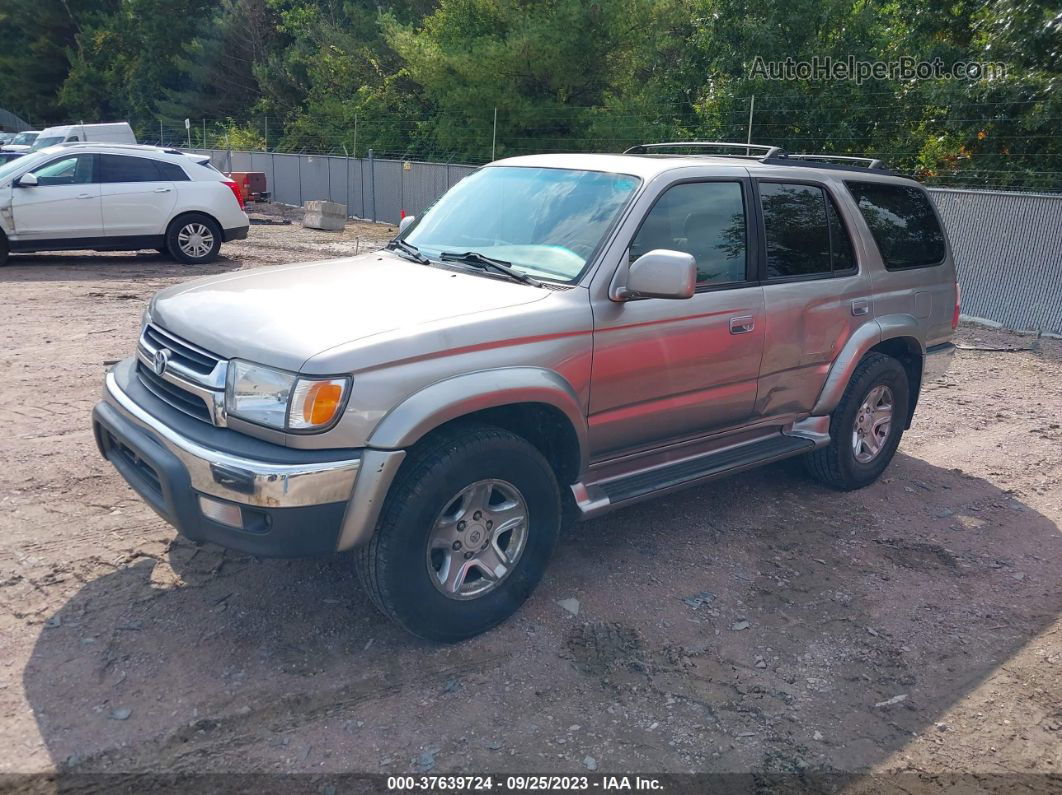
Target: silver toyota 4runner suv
[558,336]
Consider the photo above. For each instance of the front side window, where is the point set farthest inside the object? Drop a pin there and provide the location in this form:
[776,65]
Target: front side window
[119,168]
[546,222]
[70,170]
[902,222]
[804,232]
[44,143]
[705,219]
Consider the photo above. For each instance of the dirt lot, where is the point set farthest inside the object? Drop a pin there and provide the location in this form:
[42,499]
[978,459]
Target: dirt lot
[756,624]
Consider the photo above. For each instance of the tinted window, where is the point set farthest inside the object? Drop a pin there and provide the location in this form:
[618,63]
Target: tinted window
[118,168]
[171,171]
[840,242]
[805,234]
[70,170]
[705,219]
[902,222]
[798,237]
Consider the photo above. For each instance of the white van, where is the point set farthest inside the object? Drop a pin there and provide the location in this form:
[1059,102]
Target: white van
[116,133]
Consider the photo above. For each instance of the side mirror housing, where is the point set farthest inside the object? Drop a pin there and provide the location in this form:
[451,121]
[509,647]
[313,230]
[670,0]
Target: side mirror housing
[26,181]
[405,222]
[660,273]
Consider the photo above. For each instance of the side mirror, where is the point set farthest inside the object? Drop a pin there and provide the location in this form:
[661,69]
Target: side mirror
[26,181]
[405,222]
[660,273]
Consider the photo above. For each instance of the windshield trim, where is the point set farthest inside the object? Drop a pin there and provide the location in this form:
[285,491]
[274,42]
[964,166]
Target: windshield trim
[606,235]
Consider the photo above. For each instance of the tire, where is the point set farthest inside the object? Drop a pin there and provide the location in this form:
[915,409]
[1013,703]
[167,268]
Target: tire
[4,248]
[425,505]
[188,236]
[850,461]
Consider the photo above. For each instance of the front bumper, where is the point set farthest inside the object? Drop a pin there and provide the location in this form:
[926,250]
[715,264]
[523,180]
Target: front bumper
[291,502]
[937,361]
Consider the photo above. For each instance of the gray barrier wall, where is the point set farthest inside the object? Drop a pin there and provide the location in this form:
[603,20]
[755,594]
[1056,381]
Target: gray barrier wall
[381,193]
[1008,246]
[1008,251]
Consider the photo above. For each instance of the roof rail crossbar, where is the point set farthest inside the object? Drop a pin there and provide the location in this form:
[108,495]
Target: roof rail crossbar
[758,151]
[867,162]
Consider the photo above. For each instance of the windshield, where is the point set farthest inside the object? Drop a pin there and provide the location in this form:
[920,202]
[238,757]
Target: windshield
[24,139]
[544,221]
[51,140]
[18,165]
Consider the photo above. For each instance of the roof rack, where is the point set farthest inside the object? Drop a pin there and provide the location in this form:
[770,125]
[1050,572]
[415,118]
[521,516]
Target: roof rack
[763,150]
[866,162]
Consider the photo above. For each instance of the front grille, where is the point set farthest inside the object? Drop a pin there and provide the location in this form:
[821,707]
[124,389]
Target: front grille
[188,356]
[168,392]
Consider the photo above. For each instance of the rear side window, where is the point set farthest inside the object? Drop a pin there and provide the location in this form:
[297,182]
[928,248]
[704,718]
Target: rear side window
[705,219]
[902,222]
[118,168]
[171,172]
[804,232]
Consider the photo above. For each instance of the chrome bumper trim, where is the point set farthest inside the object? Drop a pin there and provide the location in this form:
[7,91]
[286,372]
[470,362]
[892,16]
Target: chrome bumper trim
[272,485]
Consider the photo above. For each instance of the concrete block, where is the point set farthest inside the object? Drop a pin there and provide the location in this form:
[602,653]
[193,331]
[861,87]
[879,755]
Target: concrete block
[329,216]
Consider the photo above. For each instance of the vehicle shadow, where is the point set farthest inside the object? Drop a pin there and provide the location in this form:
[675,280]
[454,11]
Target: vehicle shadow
[766,623]
[95,266]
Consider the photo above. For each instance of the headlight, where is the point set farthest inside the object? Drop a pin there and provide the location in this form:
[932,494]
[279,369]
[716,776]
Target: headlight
[282,400]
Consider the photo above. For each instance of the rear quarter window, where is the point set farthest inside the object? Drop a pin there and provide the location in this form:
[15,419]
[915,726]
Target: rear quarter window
[903,223]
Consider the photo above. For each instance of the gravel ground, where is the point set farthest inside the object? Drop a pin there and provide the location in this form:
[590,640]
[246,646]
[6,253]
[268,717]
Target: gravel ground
[760,623]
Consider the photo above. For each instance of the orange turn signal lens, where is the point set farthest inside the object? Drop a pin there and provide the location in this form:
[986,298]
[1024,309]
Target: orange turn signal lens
[321,403]
[315,403]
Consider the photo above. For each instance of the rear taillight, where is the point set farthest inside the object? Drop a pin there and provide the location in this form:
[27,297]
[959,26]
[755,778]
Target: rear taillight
[955,314]
[235,191]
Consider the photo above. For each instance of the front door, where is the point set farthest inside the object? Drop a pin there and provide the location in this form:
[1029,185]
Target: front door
[137,199]
[63,205]
[672,369]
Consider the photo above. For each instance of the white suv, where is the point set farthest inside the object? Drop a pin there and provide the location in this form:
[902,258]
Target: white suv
[110,197]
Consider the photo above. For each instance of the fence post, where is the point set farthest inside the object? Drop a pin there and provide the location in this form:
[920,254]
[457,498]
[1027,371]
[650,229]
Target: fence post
[372,183]
[300,178]
[346,160]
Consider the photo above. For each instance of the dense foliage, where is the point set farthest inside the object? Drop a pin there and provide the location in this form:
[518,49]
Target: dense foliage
[464,79]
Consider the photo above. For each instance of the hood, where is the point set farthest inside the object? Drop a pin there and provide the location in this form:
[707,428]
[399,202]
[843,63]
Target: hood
[285,315]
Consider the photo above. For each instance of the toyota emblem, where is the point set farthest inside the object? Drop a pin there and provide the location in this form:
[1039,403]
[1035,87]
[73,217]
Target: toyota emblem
[162,359]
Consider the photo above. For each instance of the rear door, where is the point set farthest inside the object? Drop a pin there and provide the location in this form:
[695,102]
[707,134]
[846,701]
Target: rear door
[63,205]
[815,293]
[137,194]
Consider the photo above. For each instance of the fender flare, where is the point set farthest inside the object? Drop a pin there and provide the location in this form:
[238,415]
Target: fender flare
[865,337]
[424,411]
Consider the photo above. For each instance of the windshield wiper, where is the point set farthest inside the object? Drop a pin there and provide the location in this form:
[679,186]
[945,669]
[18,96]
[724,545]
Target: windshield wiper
[486,263]
[411,251]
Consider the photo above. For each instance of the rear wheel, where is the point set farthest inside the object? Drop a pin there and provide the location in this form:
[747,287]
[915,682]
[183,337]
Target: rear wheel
[194,239]
[465,535]
[866,426]
[3,249]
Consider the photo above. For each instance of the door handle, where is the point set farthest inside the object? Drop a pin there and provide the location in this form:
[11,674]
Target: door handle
[162,190]
[742,325]
[85,196]
[860,306]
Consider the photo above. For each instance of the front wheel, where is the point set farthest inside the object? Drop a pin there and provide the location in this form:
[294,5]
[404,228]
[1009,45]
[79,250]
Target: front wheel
[866,426]
[465,535]
[194,239]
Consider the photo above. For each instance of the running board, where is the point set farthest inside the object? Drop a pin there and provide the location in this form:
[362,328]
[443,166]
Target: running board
[597,498]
